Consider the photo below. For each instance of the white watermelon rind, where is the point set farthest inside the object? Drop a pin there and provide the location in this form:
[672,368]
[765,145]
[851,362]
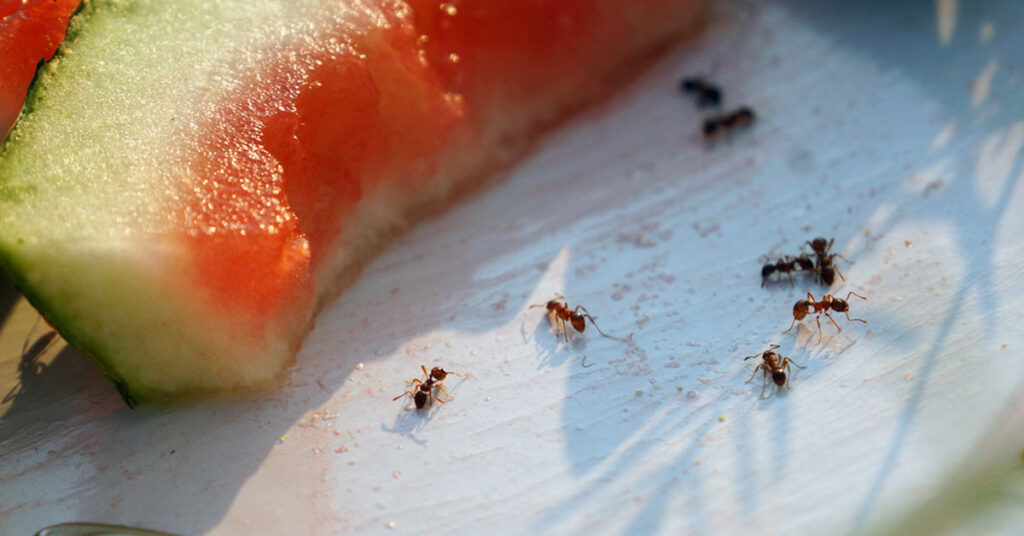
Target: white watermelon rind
[107,292]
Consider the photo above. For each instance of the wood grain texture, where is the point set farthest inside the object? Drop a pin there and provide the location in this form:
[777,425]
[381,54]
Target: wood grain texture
[879,126]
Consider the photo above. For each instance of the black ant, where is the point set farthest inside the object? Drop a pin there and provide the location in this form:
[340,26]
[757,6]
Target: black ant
[422,392]
[786,265]
[729,122]
[825,263]
[774,364]
[561,316]
[708,95]
[804,307]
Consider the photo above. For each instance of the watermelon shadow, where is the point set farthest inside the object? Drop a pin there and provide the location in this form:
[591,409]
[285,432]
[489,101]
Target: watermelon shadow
[9,296]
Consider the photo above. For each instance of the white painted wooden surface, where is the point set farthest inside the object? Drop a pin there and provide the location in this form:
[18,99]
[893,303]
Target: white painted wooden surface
[895,128]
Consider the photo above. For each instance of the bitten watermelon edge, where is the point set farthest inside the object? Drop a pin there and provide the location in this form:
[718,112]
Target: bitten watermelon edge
[188,179]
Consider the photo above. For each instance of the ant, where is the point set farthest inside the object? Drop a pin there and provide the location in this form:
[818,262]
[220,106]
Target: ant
[729,122]
[708,94]
[804,307]
[561,316]
[786,265]
[422,392]
[825,265]
[774,364]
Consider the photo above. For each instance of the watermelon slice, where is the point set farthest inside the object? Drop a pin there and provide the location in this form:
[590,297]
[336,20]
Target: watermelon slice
[190,180]
[30,31]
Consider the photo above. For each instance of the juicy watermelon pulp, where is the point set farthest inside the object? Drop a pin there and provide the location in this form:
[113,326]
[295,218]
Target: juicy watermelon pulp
[30,32]
[185,191]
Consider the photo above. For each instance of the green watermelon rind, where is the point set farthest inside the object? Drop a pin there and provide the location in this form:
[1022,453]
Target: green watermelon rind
[8,256]
[66,327]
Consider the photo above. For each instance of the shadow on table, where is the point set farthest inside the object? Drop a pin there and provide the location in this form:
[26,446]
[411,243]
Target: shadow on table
[987,107]
[986,148]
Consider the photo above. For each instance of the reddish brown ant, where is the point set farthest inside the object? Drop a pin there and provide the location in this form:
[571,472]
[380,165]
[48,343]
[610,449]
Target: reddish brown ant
[811,306]
[786,265]
[729,122]
[708,94]
[825,263]
[774,364]
[561,316]
[422,392]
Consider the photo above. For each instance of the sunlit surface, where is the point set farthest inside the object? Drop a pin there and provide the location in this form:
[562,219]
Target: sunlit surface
[902,142]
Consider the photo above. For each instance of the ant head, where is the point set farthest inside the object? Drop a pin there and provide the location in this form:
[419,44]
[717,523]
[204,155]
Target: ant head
[554,304]
[744,116]
[779,378]
[839,305]
[805,263]
[438,373]
[819,245]
[578,322]
[800,309]
[767,270]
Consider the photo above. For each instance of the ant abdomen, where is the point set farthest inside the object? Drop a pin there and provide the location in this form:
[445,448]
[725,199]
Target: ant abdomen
[800,309]
[828,276]
[578,321]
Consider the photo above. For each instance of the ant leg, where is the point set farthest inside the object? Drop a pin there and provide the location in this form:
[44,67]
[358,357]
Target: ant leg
[593,323]
[789,361]
[790,325]
[755,372]
[443,390]
[833,321]
[854,319]
[818,320]
[409,393]
[764,384]
[841,276]
[565,329]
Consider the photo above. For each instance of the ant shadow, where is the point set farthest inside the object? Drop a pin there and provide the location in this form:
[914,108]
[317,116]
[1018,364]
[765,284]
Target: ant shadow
[410,419]
[44,388]
[599,454]
[70,391]
[975,220]
[551,347]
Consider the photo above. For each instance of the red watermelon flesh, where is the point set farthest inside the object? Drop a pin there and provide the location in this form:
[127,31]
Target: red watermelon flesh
[30,31]
[269,173]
